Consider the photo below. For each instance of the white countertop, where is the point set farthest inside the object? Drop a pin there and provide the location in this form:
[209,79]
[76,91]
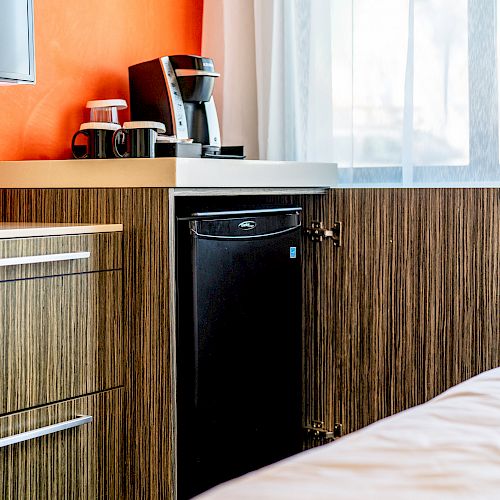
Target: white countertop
[422,185]
[166,172]
[10,230]
[418,178]
[188,174]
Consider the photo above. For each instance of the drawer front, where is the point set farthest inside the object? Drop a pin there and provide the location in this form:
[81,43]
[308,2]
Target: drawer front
[60,338]
[85,461]
[56,255]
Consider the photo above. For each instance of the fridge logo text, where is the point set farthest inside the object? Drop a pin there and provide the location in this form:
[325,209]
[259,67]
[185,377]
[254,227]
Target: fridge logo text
[247,225]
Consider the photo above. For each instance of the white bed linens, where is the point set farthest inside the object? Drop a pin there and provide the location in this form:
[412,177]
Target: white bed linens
[447,448]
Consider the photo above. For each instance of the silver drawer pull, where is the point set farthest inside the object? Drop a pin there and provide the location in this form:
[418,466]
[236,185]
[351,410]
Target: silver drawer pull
[44,431]
[37,259]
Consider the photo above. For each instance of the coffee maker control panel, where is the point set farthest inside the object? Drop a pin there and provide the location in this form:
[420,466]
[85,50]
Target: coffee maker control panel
[176,102]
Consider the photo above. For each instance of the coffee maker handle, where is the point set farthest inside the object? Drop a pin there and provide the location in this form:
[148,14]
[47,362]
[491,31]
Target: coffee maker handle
[86,155]
[116,135]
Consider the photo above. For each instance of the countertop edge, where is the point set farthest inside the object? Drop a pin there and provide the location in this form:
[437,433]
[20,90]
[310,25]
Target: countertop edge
[165,173]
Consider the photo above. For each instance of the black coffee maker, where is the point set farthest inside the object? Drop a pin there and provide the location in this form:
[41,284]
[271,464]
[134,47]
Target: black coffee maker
[177,91]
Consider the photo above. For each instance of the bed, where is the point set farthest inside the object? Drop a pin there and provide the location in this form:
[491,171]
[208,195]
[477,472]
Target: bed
[446,448]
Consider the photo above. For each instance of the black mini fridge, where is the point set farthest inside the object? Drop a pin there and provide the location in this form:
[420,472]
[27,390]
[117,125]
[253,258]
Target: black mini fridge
[239,387]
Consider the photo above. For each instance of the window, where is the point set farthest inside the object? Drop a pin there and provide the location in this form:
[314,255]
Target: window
[415,83]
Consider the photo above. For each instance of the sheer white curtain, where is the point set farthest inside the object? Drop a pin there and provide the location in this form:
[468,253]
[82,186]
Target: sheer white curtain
[276,86]
[386,83]
[363,83]
[294,64]
[409,69]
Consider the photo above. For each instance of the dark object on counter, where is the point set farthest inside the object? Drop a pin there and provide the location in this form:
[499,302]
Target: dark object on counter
[238,344]
[177,91]
[99,141]
[178,149]
[138,143]
[226,152]
[78,151]
[139,139]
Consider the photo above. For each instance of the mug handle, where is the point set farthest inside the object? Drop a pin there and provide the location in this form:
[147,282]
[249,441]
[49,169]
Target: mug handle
[86,155]
[121,132]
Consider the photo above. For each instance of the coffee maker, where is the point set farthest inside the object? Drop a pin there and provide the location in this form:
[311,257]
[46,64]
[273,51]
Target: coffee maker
[177,91]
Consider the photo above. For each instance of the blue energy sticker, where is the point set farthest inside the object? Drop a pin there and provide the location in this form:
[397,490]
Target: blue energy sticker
[293,252]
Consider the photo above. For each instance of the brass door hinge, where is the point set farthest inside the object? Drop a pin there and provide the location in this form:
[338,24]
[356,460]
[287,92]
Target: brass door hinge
[317,232]
[317,431]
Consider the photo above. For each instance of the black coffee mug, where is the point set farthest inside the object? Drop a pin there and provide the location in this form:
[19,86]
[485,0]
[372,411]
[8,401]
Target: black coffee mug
[139,139]
[99,140]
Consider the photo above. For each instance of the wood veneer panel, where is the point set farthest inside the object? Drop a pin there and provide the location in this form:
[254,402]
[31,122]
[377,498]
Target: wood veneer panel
[151,413]
[408,306]
[105,254]
[60,338]
[84,462]
[149,370]
[318,339]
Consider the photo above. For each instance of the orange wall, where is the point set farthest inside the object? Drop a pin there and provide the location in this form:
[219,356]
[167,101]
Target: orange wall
[83,50]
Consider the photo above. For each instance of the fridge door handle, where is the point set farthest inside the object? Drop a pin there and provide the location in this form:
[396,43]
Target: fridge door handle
[244,237]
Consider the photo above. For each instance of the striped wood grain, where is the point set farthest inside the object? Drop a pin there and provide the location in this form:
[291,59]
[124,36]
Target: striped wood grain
[60,337]
[407,307]
[151,412]
[81,463]
[149,370]
[105,254]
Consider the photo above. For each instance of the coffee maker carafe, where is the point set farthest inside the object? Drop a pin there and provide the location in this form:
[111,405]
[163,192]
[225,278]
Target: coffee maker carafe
[177,91]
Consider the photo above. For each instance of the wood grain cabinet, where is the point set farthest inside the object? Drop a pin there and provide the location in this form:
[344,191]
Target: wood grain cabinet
[85,461]
[405,308]
[61,359]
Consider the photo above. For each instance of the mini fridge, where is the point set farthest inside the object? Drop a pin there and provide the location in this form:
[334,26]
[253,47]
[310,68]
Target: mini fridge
[239,369]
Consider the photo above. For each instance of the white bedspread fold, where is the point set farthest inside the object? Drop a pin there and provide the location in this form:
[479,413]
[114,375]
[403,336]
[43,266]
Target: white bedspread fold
[447,448]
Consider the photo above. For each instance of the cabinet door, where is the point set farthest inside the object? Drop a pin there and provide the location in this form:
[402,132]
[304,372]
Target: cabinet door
[320,341]
[350,342]
[80,462]
[407,307]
